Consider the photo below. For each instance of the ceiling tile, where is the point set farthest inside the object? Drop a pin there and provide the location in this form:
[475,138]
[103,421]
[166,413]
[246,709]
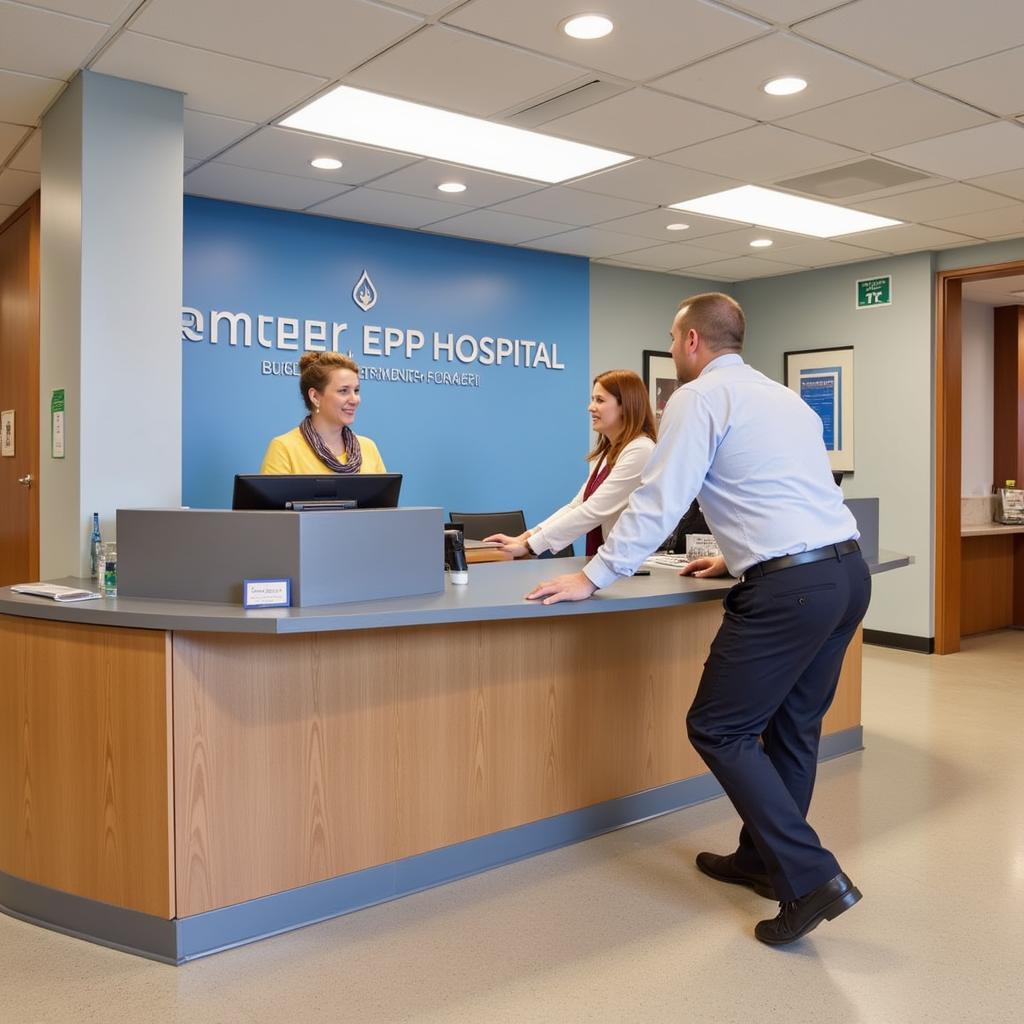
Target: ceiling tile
[824,252]
[570,206]
[734,79]
[1009,183]
[893,116]
[367,204]
[761,154]
[743,268]
[594,242]
[447,68]
[39,42]
[669,257]
[653,225]
[287,152]
[650,181]
[995,83]
[426,7]
[906,238]
[651,37]
[319,37]
[23,98]
[497,227]
[644,123]
[245,185]
[1006,222]
[899,36]
[189,163]
[212,82]
[106,11]
[206,134]
[10,136]
[928,204]
[17,186]
[29,157]
[967,154]
[482,187]
[738,241]
[783,12]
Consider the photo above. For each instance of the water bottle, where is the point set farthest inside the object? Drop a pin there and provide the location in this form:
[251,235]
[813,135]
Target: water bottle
[95,544]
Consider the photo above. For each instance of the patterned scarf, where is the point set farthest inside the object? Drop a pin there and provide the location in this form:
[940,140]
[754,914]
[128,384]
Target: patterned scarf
[326,456]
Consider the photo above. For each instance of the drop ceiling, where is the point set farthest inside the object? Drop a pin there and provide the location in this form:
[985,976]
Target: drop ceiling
[678,87]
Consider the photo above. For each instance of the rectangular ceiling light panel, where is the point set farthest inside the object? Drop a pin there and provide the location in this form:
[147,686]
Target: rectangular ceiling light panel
[767,208]
[374,120]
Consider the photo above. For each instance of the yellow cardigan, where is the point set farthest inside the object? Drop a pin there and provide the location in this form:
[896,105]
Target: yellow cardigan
[290,454]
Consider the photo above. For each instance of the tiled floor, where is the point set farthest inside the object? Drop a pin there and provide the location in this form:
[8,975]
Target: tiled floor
[929,821]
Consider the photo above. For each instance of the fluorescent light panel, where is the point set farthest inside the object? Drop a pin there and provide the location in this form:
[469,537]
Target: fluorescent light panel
[374,120]
[767,208]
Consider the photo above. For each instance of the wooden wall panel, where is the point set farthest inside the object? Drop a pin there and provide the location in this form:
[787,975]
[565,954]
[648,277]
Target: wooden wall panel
[986,589]
[85,763]
[300,758]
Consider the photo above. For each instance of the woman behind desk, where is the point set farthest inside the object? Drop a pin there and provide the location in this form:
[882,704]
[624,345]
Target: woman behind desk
[620,412]
[324,440]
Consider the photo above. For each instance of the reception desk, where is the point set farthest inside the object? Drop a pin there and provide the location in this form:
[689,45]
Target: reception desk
[177,778]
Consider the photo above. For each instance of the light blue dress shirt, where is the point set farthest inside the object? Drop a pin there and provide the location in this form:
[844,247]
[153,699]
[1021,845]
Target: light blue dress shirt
[752,451]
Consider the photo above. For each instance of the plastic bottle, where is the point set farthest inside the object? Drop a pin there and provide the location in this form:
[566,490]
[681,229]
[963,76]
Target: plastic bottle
[95,543]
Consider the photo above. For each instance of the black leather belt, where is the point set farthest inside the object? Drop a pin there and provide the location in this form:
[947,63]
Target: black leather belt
[835,551]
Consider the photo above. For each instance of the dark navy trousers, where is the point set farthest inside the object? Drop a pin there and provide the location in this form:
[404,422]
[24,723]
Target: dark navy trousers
[756,720]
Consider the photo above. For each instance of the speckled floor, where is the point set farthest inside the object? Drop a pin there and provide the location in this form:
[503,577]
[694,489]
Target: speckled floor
[929,822]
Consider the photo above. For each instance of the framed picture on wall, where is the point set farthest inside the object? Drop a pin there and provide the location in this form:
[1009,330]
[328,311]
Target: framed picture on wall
[660,378]
[823,378]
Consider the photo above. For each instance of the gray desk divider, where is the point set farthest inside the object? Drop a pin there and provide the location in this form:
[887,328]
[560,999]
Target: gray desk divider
[865,511]
[330,557]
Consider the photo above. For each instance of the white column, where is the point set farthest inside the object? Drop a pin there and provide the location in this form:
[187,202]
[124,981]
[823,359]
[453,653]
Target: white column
[110,284]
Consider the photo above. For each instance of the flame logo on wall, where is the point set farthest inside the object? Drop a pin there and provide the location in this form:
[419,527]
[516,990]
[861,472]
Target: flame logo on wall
[364,295]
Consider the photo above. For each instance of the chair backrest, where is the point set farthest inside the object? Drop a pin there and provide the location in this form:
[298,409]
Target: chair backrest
[478,525]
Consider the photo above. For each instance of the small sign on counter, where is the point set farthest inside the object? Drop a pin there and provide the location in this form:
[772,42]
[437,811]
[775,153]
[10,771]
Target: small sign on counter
[266,593]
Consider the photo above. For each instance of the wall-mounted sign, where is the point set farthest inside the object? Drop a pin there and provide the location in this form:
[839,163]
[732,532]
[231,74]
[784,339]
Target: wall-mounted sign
[7,433]
[874,291]
[57,424]
[474,358]
[823,378]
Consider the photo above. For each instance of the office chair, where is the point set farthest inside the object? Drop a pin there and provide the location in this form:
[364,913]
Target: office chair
[477,525]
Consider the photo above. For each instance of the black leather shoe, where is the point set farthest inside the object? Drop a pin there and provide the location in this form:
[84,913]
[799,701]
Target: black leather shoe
[798,917]
[723,869]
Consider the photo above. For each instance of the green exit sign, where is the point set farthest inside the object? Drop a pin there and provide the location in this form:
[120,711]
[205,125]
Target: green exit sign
[874,291]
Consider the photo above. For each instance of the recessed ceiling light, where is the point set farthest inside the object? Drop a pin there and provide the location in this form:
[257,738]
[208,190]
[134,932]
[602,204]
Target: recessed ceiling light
[761,243]
[678,226]
[787,86]
[587,26]
[751,204]
[325,163]
[451,186]
[360,116]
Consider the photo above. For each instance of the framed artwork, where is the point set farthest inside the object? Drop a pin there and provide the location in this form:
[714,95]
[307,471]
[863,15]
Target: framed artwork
[660,378]
[823,378]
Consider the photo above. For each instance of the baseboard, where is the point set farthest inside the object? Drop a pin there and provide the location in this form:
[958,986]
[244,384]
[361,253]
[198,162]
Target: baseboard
[900,641]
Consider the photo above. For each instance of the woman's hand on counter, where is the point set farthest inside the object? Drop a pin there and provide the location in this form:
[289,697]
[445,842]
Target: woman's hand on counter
[574,586]
[515,546]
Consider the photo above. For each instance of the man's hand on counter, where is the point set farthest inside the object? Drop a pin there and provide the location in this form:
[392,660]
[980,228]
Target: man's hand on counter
[703,567]
[574,586]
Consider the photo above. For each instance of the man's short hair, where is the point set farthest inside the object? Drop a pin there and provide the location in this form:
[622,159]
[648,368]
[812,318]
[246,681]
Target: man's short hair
[717,318]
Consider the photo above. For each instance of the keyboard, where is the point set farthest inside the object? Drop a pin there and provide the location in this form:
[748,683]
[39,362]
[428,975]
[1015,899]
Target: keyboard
[665,561]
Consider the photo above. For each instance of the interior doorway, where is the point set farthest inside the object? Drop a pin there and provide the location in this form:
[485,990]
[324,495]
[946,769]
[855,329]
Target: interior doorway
[997,580]
[19,394]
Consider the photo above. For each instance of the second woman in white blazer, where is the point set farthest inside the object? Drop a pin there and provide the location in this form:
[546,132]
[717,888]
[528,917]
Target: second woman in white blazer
[620,413]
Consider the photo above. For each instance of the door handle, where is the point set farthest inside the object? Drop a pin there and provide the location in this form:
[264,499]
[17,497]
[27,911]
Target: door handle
[26,480]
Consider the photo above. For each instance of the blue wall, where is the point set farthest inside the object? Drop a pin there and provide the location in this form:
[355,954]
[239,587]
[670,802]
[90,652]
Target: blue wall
[513,436]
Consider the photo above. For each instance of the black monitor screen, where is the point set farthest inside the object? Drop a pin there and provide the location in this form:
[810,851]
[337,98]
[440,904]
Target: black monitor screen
[268,492]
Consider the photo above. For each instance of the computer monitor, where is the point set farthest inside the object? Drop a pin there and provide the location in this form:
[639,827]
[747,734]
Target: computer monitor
[269,492]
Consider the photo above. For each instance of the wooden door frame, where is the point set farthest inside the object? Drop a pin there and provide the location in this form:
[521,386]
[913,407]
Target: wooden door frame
[949,442]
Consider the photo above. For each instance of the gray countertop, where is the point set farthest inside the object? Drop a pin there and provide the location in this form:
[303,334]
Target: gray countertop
[495,591]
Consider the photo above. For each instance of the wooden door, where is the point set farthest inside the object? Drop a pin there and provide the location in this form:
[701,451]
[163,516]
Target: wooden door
[19,393]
